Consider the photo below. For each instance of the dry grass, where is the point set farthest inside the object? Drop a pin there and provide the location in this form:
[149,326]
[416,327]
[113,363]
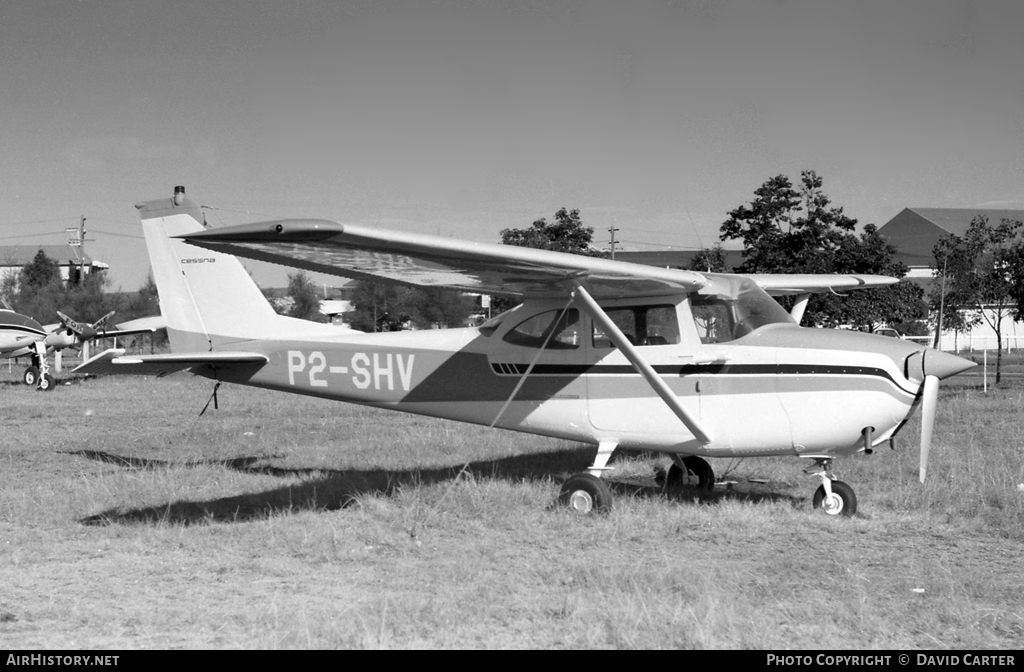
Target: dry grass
[279,521]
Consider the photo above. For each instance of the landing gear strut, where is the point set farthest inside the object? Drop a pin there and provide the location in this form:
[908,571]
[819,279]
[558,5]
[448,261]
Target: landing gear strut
[38,373]
[833,497]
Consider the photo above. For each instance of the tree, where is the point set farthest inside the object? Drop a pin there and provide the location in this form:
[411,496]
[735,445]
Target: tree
[566,234]
[869,254]
[777,238]
[444,308]
[379,306]
[41,272]
[710,260]
[145,302]
[305,302]
[798,230]
[982,271]
[40,292]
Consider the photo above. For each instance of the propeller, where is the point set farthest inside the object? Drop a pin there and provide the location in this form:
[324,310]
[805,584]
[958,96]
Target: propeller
[928,405]
[931,366]
[83,330]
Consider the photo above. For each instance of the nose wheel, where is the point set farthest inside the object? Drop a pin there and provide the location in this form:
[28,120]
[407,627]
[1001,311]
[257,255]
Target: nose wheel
[833,497]
[585,494]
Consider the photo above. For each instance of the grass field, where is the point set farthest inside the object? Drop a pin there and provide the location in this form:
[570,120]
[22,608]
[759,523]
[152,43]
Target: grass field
[278,521]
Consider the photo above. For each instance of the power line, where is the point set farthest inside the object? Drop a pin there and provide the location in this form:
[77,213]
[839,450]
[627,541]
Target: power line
[36,221]
[33,235]
[641,242]
[122,235]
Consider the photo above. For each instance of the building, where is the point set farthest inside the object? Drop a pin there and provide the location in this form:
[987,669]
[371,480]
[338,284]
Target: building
[15,257]
[916,231]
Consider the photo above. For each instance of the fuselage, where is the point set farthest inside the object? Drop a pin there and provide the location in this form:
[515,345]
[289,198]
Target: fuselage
[779,389]
[17,333]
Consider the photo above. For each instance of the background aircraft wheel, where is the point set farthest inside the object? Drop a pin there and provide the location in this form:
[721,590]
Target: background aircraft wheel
[585,494]
[843,501]
[31,375]
[700,475]
[47,383]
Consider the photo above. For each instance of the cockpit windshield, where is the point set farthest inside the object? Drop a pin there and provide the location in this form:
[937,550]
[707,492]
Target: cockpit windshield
[730,307]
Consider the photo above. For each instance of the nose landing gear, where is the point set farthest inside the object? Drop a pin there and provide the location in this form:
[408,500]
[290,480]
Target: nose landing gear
[833,497]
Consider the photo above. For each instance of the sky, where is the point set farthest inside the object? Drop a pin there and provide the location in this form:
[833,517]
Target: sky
[465,118]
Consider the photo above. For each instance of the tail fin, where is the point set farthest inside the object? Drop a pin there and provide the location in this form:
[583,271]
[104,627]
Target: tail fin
[208,298]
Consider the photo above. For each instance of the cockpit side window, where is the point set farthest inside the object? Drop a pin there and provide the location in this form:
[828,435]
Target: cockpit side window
[642,325]
[731,307]
[713,319]
[559,329]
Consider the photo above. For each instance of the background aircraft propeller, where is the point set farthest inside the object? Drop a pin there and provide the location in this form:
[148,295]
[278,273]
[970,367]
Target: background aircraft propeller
[71,334]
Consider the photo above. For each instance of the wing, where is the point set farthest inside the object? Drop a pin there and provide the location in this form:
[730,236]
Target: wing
[787,284]
[432,261]
[114,361]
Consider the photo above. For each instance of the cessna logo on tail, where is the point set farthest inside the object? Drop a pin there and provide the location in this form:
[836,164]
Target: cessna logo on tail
[199,260]
[379,370]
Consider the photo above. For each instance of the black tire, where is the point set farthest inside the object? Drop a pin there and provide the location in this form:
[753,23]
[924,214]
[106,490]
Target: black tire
[844,501]
[47,383]
[699,471]
[585,494]
[31,376]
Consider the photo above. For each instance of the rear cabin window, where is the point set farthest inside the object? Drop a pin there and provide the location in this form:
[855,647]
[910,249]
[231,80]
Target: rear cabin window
[641,325]
[560,330]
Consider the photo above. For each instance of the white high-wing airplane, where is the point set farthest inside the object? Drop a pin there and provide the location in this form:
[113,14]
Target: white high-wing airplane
[612,354]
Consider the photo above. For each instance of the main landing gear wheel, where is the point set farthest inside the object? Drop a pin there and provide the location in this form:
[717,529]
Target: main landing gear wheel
[585,494]
[699,474]
[842,501]
[31,376]
[46,383]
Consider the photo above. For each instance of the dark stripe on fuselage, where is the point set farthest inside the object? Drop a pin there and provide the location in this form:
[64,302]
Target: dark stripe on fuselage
[694,369]
[21,329]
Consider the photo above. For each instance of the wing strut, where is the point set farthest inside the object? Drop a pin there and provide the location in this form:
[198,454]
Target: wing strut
[639,363]
[799,306]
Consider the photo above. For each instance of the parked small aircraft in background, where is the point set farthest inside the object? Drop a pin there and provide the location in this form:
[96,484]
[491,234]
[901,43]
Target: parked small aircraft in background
[609,353]
[22,336]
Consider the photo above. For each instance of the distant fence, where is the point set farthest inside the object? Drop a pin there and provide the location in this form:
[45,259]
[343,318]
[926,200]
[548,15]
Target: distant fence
[971,343]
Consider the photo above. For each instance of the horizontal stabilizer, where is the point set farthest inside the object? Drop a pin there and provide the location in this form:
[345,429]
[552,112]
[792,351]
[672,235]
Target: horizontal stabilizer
[114,361]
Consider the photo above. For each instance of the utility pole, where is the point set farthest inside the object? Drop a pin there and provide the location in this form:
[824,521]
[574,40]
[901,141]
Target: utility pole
[78,245]
[81,249]
[612,230]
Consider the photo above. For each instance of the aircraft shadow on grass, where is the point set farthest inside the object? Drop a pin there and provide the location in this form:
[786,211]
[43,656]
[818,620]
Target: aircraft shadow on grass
[333,489]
